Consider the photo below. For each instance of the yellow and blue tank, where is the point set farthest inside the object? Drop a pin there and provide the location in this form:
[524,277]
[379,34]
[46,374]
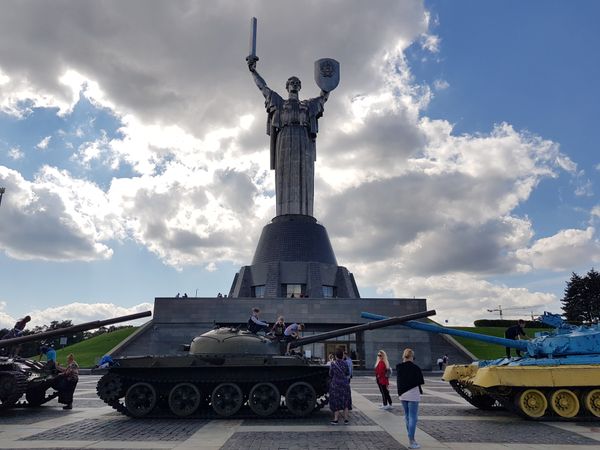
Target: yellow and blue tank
[557,378]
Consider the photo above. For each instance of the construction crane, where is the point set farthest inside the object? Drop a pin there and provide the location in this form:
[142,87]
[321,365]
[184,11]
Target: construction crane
[501,310]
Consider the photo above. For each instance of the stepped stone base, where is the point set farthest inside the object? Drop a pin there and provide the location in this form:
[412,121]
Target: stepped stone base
[177,321]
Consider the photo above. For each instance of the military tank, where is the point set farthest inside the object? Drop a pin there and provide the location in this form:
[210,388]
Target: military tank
[227,372]
[557,378]
[32,379]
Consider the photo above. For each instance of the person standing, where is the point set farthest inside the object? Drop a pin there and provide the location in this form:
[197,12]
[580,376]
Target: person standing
[67,381]
[440,362]
[409,380]
[339,388]
[515,332]
[382,375]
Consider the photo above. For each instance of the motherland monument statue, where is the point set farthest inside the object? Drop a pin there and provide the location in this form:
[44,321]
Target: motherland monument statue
[292,125]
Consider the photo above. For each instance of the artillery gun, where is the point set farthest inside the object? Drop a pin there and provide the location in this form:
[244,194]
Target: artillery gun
[227,372]
[25,377]
[558,378]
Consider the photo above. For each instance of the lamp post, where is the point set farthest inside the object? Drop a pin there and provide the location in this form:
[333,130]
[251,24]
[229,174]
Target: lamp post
[2,190]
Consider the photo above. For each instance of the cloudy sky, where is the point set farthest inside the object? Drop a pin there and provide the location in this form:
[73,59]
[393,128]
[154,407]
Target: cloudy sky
[457,160]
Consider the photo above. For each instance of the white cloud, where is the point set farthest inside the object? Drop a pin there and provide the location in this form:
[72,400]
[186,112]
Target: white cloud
[15,153]
[440,85]
[43,144]
[563,251]
[56,217]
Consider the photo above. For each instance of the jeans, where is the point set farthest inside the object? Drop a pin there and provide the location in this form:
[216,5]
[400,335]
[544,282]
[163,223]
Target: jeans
[411,412]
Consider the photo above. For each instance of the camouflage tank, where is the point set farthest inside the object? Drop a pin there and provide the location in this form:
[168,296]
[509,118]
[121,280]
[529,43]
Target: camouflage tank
[32,379]
[557,378]
[227,372]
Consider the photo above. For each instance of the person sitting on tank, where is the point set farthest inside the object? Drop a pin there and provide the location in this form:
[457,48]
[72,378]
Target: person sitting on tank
[66,382]
[291,333]
[515,332]
[50,354]
[255,324]
[278,328]
[18,328]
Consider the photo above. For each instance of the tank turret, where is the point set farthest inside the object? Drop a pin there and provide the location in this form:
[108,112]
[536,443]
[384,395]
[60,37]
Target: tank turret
[558,377]
[21,376]
[227,372]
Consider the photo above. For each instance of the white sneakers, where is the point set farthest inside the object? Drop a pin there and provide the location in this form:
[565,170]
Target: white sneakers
[388,407]
[414,445]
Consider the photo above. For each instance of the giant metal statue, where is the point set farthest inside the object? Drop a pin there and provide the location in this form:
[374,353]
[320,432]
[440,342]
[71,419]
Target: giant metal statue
[292,126]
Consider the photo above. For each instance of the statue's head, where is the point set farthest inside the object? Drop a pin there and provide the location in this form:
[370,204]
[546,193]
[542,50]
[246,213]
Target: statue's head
[293,84]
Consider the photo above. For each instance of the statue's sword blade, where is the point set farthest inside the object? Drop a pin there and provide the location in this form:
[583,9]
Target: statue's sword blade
[253,37]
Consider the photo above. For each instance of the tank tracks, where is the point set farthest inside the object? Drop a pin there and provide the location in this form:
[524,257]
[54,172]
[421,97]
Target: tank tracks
[111,389]
[579,404]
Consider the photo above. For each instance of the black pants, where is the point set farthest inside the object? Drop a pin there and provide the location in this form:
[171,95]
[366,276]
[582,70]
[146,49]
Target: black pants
[65,387]
[517,351]
[385,394]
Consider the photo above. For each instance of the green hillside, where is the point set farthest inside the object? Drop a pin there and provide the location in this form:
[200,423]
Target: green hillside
[88,352]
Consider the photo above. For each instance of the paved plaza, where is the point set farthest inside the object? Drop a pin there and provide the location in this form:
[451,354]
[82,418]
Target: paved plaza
[446,421]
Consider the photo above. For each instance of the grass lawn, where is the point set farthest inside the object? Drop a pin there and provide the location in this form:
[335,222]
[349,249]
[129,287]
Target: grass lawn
[87,353]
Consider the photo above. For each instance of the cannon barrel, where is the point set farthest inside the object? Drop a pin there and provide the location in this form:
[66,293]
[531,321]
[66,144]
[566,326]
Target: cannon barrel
[521,345]
[386,322]
[72,329]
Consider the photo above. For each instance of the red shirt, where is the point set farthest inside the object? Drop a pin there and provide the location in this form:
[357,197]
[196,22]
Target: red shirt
[380,373]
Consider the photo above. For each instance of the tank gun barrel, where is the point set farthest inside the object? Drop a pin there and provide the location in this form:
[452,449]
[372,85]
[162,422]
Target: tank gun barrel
[73,329]
[386,322]
[521,345]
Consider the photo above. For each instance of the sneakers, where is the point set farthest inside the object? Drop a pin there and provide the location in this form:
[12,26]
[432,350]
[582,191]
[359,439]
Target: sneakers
[388,407]
[69,406]
[334,422]
[346,422]
[382,406]
[414,445]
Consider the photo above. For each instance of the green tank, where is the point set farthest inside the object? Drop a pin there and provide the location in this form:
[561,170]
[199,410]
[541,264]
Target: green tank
[227,372]
[25,382]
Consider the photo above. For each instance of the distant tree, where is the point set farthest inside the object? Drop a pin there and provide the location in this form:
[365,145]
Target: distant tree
[581,302]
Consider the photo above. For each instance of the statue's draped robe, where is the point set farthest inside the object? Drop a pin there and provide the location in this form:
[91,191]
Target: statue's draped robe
[292,125]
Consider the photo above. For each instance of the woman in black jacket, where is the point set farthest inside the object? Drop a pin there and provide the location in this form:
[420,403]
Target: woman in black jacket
[410,379]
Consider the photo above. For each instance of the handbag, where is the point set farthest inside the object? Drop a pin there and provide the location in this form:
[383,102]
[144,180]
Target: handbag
[388,372]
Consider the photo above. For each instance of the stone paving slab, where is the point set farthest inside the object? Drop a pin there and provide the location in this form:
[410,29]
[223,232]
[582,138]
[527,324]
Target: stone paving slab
[376,398]
[445,410]
[27,416]
[320,418]
[123,430]
[359,440]
[517,431]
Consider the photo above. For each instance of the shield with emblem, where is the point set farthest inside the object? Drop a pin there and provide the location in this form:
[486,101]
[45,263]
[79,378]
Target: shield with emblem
[327,74]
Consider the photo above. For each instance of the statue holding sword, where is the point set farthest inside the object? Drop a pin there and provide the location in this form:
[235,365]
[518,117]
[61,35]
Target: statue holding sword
[292,125]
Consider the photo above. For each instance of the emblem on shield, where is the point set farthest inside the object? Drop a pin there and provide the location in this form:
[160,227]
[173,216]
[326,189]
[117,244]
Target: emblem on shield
[327,74]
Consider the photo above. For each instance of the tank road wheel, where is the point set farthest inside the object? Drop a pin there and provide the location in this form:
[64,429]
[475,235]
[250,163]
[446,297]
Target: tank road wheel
[264,399]
[564,403]
[592,402]
[184,399]
[532,403]
[300,399]
[109,388]
[140,399]
[227,399]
